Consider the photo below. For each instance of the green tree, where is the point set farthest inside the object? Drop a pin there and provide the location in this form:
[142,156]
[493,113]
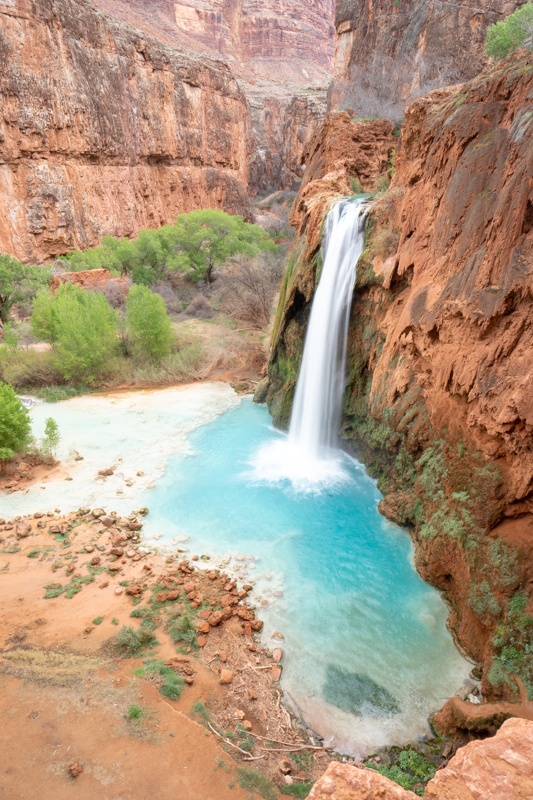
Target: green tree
[149,327]
[82,328]
[19,283]
[15,430]
[506,36]
[202,240]
[51,437]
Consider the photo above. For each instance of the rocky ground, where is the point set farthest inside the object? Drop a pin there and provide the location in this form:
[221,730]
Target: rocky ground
[115,660]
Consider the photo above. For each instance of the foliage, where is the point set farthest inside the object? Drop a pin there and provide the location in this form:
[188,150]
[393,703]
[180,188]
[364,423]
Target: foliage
[506,36]
[297,789]
[199,710]
[135,712]
[255,781]
[130,642]
[356,186]
[19,283]
[25,369]
[82,328]
[148,324]
[483,602]
[513,646]
[410,770]
[195,244]
[15,429]
[183,629]
[98,620]
[51,437]
[169,683]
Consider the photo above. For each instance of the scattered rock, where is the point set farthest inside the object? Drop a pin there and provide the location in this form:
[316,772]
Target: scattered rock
[107,521]
[203,626]
[22,529]
[75,769]
[106,472]
[98,512]
[226,676]
[118,590]
[247,724]
[201,641]
[275,673]
[277,654]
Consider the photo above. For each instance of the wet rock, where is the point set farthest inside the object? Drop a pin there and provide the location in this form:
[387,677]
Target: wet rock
[107,471]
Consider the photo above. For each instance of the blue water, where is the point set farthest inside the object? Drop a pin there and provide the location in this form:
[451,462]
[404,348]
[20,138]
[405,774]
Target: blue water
[366,652]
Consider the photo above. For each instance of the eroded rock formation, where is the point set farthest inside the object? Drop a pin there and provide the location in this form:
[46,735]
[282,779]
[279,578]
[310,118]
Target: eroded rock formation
[499,768]
[281,54]
[388,53]
[104,130]
[440,396]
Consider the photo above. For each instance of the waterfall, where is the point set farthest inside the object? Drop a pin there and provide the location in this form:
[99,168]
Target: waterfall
[317,403]
[309,457]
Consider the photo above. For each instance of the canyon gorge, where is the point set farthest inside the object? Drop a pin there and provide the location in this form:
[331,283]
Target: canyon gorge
[117,116]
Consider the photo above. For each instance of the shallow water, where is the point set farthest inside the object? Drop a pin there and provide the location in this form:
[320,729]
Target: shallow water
[367,653]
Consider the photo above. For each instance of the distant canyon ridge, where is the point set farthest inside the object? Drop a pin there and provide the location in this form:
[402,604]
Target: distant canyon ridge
[117,115]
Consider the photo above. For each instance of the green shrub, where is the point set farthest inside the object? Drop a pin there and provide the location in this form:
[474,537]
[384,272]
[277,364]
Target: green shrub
[18,283]
[149,327]
[15,428]
[481,600]
[255,781]
[509,34]
[183,629]
[82,328]
[297,789]
[169,683]
[410,770]
[135,712]
[130,642]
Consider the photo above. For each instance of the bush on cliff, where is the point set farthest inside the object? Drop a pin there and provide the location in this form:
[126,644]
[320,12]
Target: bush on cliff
[506,36]
[81,326]
[15,430]
[148,325]
[19,283]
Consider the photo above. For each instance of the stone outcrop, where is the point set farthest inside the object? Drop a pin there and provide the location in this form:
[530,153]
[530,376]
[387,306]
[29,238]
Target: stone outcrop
[104,130]
[96,280]
[439,399]
[281,54]
[388,53]
[499,768]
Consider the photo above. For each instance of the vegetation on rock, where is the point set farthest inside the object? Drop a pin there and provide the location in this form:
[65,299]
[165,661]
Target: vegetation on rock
[507,35]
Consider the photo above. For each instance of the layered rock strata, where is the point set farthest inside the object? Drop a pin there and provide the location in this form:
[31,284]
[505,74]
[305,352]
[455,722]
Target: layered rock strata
[388,53]
[281,55]
[104,130]
[499,768]
[439,400]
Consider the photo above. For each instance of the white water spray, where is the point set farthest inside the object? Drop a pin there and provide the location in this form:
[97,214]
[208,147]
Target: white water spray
[310,456]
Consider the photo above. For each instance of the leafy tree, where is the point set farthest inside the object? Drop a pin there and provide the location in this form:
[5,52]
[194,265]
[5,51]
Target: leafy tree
[80,325]
[15,431]
[51,437]
[148,324]
[506,36]
[202,240]
[18,283]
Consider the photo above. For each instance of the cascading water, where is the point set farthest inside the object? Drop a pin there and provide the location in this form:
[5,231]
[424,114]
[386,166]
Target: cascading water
[317,403]
[309,456]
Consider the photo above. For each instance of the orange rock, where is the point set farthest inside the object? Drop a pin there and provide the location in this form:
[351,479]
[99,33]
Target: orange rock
[226,676]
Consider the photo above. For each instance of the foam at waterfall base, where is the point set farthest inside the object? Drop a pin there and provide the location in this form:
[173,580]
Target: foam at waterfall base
[282,461]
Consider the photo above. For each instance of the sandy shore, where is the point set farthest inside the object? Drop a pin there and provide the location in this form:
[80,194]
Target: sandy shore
[69,585]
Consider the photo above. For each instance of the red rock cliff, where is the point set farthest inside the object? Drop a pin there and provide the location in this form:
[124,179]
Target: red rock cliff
[281,54]
[440,392]
[389,52]
[104,130]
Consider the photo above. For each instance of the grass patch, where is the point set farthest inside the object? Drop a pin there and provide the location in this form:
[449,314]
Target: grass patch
[169,683]
[200,711]
[255,781]
[98,620]
[297,789]
[182,629]
[130,643]
[135,712]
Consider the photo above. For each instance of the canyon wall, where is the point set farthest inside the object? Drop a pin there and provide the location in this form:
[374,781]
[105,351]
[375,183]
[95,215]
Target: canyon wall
[281,54]
[439,401]
[103,130]
[389,52]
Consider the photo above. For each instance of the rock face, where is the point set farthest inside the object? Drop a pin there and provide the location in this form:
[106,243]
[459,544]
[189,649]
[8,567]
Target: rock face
[104,130]
[388,53]
[440,397]
[281,54]
[499,768]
